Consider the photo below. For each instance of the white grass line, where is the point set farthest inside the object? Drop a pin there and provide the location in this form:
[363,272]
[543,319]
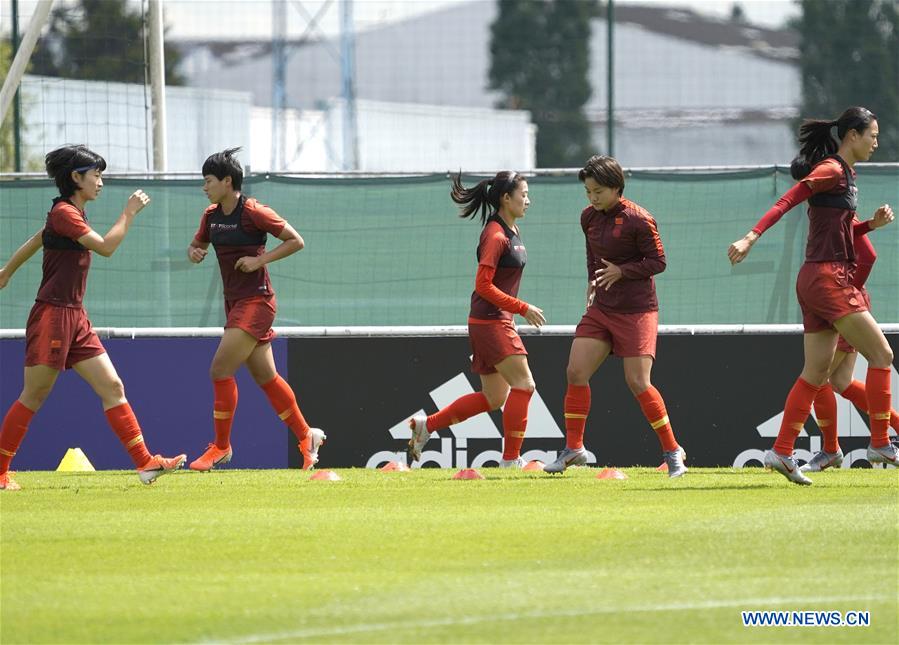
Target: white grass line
[363,628]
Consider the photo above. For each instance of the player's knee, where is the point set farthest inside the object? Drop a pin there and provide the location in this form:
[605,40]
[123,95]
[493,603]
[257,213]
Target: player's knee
[114,390]
[218,372]
[839,383]
[637,383]
[34,397]
[496,399]
[576,375]
[881,357]
[527,384]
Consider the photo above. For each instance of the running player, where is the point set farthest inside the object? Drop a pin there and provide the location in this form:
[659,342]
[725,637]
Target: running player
[832,306]
[237,226]
[843,367]
[499,356]
[624,252]
[58,333]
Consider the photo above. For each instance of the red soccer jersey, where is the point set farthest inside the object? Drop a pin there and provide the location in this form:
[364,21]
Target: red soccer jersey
[500,248]
[625,235]
[830,212]
[240,234]
[66,262]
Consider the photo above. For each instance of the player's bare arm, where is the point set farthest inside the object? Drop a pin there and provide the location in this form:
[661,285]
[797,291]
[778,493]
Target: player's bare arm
[106,245]
[291,242]
[20,257]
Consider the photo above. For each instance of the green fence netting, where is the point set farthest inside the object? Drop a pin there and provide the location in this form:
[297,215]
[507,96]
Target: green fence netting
[391,251]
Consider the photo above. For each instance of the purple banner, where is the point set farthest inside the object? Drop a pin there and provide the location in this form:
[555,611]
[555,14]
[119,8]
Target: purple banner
[167,383]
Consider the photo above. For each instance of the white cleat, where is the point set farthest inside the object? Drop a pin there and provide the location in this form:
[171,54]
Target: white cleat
[787,467]
[566,458]
[309,447]
[420,435]
[517,463]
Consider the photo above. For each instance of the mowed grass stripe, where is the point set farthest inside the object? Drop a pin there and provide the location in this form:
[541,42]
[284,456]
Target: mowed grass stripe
[258,556]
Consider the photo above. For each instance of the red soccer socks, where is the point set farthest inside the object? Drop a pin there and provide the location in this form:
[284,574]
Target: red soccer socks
[796,410]
[123,422]
[577,407]
[285,404]
[223,410]
[515,422]
[462,408]
[654,410]
[826,416]
[15,425]
[877,392]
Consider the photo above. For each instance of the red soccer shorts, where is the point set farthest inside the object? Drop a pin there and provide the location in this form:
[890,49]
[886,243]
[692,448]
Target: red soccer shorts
[628,334]
[59,337]
[825,295]
[491,342]
[254,315]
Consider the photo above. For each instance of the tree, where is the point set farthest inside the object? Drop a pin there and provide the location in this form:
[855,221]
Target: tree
[98,40]
[849,55]
[540,59]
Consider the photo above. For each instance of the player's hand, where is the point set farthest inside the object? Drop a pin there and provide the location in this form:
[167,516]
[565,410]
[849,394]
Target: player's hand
[196,254]
[606,276]
[249,264]
[882,216]
[136,202]
[534,315]
[738,251]
[4,277]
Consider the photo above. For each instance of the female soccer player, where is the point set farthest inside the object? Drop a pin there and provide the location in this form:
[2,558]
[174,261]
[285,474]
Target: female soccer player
[499,355]
[59,335]
[623,253]
[832,306]
[840,378]
[237,227]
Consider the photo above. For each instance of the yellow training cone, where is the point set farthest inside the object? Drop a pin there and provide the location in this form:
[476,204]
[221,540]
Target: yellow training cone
[74,461]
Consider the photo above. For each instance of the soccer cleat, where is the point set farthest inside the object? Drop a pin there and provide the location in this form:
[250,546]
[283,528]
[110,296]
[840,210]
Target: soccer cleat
[159,466]
[566,458]
[213,457]
[420,435]
[309,446]
[674,459]
[822,461]
[887,454]
[8,483]
[787,467]
[518,463]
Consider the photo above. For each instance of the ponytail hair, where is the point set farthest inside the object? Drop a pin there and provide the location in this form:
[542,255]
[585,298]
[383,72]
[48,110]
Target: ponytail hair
[485,194]
[816,141]
[62,162]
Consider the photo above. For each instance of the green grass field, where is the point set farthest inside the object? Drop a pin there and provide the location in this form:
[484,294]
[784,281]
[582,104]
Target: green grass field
[269,556]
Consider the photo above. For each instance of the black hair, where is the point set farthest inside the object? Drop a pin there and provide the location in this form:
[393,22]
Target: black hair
[224,164]
[605,171]
[62,162]
[816,141]
[484,194]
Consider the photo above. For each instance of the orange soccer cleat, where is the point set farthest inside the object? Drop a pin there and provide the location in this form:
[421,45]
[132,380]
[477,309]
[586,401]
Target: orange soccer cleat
[213,457]
[8,483]
[158,466]
[309,446]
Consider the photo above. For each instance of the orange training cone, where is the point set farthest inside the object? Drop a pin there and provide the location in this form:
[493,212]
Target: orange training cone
[468,473]
[325,475]
[534,465]
[394,467]
[662,468]
[611,473]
